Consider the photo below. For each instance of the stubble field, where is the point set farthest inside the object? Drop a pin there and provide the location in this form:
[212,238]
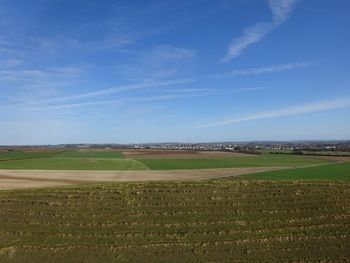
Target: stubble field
[212,221]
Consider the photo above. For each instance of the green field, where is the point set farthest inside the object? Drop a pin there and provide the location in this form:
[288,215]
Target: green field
[227,162]
[113,160]
[74,164]
[90,154]
[214,221]
[334,171]
[69,160]
[15,155]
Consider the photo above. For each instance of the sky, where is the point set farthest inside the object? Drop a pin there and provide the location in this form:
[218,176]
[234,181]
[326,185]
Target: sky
[134,71]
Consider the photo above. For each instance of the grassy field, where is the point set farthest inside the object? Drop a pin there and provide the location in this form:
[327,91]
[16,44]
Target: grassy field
[90,154]
[113,160]
[266,160]
[214,221]
[16,155]
[334,171]
[74,164]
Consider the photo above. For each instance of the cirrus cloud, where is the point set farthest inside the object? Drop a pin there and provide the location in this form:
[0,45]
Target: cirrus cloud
[281,11]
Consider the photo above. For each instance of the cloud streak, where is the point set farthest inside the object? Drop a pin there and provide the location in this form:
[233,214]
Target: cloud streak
[123,88]
[249,36]
[281,11]
[158,63]
[284,112]
[101,92]
[265,70]
[170,95]
[39,78]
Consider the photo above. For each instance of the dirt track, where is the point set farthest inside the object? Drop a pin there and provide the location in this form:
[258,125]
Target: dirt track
[15,179]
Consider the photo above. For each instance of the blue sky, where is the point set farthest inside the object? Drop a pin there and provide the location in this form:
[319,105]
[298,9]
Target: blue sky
[185,71]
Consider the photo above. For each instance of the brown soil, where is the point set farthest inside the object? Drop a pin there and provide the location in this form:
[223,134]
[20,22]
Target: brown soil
[15,179]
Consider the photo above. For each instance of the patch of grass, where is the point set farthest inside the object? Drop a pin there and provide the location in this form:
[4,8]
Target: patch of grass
[327,153]
[266,160]
[216,221]
[335,171]
[90,154]
[73,164]
[193,163]
[15,155]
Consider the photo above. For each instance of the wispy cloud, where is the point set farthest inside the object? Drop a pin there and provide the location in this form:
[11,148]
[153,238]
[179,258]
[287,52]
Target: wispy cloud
[181,93]
[289,111]
[194,94]
[32,77]
[249,36]
[123,88]
[158,63]
[281,11]
[265,70]
[72,105]
[166,52]
[168,95]
[101,92]
[20,83]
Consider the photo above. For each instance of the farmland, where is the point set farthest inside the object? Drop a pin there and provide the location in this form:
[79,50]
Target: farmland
[220,207]
[115,160]
[22,169]
[18,155]
[226,162]
[140,205]
[74,163]
[90,154]
[213,221]
[17,179]
[337,171]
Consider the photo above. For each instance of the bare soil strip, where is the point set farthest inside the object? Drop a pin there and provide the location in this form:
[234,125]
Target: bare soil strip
[16,179]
